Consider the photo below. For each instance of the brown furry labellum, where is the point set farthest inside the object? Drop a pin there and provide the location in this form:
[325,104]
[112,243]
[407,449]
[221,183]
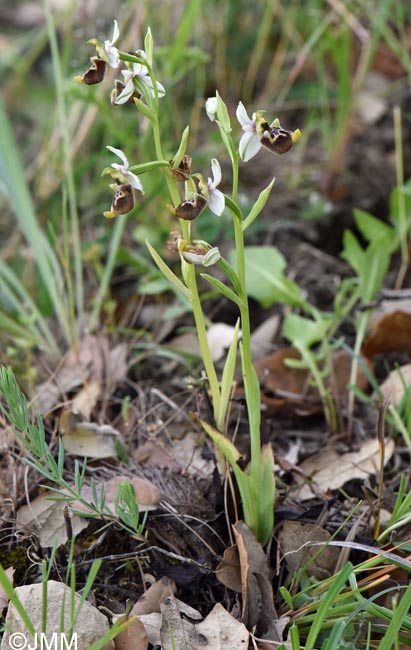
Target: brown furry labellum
[276,139]
[123,200]
[95,74]
[191,208]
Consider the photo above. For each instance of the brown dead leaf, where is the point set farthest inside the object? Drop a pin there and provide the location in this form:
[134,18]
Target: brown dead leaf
[294,538]
[150,601]
[4,599]
[45,518]
[221,631]
[95,361]
[87,438]
[391,333]
[147,494]
[134,637]
[257,594]
[397,384]
[86,400]
[285,388]
[229,570]
[184,456]
[329,470]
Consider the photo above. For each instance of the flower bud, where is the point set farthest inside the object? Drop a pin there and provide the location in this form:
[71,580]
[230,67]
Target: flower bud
[183,171]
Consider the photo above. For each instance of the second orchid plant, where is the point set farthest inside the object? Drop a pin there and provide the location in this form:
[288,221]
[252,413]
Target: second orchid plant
[190,195]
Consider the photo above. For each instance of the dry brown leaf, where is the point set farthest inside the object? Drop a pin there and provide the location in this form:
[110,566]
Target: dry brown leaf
[229,570]
[263,336]
[4,599]
[87,438]
[329,470]
[289,388]
[150,601]
[147,494]
[219,336]
[85,401]
[134,637]
[391,333]
[294,538]
[96,360]
[221,631]
[257,594]
[45,518]
[397,384]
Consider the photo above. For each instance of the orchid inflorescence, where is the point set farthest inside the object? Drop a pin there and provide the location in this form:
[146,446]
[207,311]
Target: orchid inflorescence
[140,86]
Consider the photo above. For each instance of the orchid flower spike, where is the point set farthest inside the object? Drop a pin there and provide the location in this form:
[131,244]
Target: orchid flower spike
[124,174]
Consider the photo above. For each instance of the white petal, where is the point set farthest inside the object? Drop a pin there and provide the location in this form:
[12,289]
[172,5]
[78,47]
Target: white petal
[126,93]
[211,108]
[242,116]
[116,33]
[216,170]
[212,257]
[160,89]
[113,56]
[249,145]
[120,154]
[216,202]
[194,258]
[135,181]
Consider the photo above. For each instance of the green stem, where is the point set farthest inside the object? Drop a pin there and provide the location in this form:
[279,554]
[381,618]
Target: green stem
[190,279]
[361,331]
[252,395]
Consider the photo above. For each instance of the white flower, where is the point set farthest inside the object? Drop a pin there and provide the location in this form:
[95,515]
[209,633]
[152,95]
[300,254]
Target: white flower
[141,71]
[111,52]
[126,174]
[250,142]
[211,108]
[199,252]
[216,201]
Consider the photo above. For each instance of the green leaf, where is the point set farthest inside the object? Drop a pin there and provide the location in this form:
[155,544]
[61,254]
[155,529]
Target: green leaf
[258,206]
[372,228]
[182,148]
[221,288]
[167,272]
[143,108]
[222,115]
[228,377]
[352,252]
[304,331]
[265,279]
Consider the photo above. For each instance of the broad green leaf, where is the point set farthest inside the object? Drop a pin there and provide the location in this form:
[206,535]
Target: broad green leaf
[265,277]
[372,228]
[376,261]
[304,331]
[352,252]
